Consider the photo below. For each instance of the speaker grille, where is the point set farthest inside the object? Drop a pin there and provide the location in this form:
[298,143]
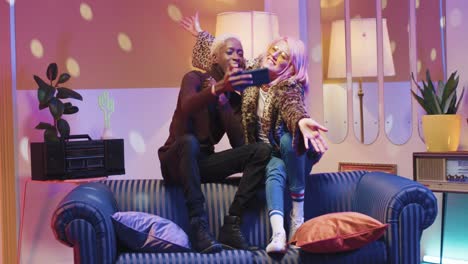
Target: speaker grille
[430,169]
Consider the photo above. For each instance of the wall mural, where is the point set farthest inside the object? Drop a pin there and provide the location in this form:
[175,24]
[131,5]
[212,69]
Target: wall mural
[112,44]
[396,87]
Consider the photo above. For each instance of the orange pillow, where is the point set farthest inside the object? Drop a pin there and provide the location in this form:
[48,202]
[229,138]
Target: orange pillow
[337,232]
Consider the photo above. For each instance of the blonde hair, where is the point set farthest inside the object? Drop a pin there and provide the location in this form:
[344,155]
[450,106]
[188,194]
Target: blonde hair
[298,62]
[219,42]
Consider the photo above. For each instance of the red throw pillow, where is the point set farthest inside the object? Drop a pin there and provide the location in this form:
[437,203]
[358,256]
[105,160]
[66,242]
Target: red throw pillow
[337,232]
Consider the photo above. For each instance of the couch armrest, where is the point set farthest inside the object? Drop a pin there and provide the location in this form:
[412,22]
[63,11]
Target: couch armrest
[407,206]
[82,221]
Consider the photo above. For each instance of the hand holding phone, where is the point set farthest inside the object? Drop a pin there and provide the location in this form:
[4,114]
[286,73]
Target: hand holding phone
[259,77]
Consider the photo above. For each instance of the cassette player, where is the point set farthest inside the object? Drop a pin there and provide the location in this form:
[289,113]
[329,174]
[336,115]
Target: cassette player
[77,157]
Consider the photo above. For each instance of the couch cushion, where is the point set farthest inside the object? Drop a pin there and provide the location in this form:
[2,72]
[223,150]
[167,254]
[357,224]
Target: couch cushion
[337,232]
[223,257]
[144,232]
[373,253]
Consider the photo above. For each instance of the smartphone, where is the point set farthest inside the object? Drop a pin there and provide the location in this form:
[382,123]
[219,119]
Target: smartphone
[259,77]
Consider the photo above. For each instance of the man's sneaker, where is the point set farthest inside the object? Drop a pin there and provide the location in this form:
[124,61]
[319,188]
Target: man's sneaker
[201,238]
[278,243]
[294,224]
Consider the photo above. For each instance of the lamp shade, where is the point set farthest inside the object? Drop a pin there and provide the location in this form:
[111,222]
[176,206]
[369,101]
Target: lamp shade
[363,49]
[255,29]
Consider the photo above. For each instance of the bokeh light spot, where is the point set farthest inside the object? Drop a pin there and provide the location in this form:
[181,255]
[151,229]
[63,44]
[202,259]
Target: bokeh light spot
[384,4]
[419,65]
[24,148]
[73,67]
[86,12]
[433,54]
[455,17]
[229,2]
[442,22]
[36,48]
[417,3]
[174,13]
[329,3]
[393,46]
[137,142]
[316,53]
[125,43]
[11,2]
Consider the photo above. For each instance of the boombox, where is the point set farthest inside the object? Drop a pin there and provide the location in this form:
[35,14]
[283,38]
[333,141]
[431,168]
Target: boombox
[76,159]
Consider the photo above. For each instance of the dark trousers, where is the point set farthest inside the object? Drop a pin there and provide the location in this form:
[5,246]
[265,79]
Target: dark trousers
[183,163]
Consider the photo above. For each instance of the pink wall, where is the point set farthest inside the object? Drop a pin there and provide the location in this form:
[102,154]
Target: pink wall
[104,66]
[154,50]
[457,43]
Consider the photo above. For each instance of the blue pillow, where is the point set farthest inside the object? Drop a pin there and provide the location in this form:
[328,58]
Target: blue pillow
[144,232]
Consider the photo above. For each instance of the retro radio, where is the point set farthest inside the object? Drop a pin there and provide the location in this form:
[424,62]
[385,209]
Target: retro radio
[75,159]
[442,171]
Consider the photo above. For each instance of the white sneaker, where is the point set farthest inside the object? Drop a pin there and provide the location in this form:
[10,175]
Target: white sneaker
[278,243]
[294,224]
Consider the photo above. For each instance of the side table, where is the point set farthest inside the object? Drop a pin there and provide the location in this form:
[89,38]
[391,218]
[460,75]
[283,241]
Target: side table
[444,172]
[37,243]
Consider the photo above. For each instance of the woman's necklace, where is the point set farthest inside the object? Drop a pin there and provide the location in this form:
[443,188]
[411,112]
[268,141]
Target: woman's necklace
[265,87]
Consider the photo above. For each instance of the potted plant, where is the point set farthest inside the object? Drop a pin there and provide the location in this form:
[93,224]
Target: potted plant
[441,124]
[50,96]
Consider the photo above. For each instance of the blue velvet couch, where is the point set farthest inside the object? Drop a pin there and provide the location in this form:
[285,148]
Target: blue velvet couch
[82,219]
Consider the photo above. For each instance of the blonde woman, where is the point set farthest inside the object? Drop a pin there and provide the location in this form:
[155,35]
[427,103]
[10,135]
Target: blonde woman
[275,113]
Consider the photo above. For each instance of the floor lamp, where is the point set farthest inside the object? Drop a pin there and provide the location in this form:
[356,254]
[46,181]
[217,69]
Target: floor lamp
[363,39]
[254,28]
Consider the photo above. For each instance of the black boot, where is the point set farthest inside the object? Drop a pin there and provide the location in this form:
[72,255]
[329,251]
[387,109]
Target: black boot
[201,238]
[230,234]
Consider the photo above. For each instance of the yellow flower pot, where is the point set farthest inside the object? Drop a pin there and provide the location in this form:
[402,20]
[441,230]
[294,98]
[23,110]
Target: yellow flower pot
[441,132]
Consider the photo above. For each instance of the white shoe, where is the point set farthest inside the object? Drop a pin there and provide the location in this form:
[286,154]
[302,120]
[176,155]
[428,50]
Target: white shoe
[294,224]
[278,243]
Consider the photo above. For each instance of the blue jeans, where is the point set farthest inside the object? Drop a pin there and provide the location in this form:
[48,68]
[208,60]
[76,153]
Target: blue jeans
[287,167]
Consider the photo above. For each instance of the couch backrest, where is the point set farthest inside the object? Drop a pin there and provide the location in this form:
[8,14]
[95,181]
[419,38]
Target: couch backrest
[153,196]
[330,192]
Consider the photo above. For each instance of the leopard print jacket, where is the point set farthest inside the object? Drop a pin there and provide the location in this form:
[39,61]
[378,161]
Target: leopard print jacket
[281,115]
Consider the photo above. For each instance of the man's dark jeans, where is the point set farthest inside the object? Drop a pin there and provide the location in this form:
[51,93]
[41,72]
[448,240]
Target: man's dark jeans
[184,163]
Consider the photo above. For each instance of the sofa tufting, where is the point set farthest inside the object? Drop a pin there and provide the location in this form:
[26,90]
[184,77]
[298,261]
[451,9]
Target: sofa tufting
[82,220]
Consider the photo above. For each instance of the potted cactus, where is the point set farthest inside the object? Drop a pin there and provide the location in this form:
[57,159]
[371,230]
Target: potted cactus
[441,124]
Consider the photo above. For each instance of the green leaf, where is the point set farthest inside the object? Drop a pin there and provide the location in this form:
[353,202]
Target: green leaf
[45,92]
[64,77]
[64,128]
[459,100]
[440,91]
[50,135]
[70,110]
[452,99]
[450,86]
[43,125]
[52,71]
[430,100]
[56,108]
[64,93]
[43,106]
[430,85]
[421,102]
